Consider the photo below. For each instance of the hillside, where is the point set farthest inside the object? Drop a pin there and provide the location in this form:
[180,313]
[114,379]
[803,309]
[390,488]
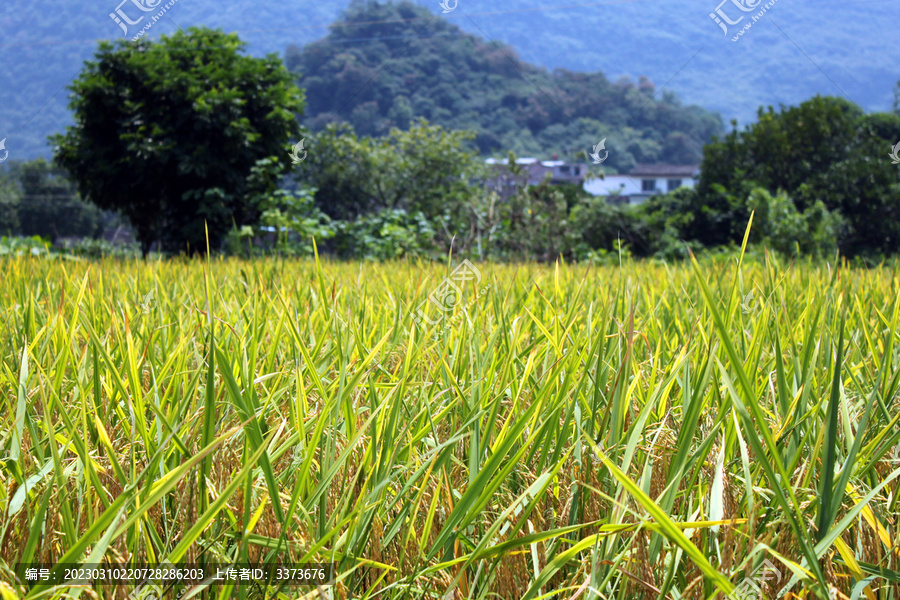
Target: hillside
[422,66]
[826,47]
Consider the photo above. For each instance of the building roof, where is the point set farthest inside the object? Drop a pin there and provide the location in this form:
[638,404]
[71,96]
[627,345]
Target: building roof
[505,161]
[665,170]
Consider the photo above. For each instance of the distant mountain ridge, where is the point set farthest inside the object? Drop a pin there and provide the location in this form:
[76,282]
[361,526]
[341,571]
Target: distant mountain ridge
[799,48]
[422,66]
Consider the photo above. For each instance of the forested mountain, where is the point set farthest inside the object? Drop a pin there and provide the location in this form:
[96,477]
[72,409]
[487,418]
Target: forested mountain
[423,66]
[798,49]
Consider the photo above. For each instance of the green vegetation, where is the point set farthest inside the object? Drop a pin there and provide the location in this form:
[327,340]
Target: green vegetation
[823,153]
[636,431]
[422,66]
[425,169]
[422,191]
[68,249]
[183,135]
[39,200]
[819,174]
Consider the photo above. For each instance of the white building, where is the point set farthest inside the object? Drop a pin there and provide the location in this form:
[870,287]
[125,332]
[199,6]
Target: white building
[613,185]
[643,182]
[635,187]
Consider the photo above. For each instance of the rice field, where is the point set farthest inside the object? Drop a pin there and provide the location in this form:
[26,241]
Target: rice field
[645,430]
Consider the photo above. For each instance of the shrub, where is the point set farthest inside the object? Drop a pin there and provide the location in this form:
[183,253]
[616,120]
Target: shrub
[98,248]
[24,246]
[780,226]
[385,235]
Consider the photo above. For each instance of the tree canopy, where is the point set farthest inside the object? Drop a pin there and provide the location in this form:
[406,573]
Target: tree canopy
[824,150]
[170,132]
[424,169]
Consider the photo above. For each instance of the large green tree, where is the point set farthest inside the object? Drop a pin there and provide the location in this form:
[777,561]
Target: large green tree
[169,132]
[824,150]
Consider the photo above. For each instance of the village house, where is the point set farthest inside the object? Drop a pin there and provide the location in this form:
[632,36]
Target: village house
[643,181]
[635,187]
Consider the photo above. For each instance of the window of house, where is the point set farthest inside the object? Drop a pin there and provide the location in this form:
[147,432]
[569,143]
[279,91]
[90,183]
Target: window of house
[648,185]
[577,170]
[674,184]
[564,170]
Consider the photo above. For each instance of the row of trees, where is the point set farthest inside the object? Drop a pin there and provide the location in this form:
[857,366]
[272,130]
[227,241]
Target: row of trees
[188,137]
[818,178]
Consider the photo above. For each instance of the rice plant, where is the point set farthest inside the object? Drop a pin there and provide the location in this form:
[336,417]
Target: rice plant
[638,431]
